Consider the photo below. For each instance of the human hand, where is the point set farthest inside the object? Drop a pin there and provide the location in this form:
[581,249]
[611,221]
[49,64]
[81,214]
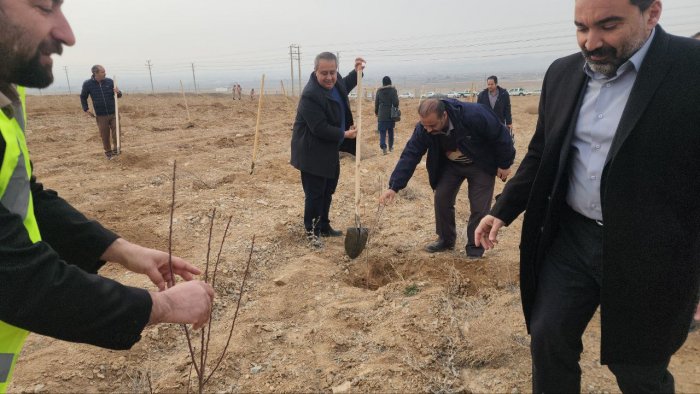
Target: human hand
[387,196]
[360,63]
[89,114]
[697,313]
[502,174]
[186,302]
[351,132]
[486,233]
[150,262]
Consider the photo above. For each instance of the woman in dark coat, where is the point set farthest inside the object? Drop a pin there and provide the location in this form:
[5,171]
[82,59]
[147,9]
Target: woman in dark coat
[386,98]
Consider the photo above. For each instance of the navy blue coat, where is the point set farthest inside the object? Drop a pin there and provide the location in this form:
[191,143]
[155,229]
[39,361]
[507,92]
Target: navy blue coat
[102,94]
[480,136]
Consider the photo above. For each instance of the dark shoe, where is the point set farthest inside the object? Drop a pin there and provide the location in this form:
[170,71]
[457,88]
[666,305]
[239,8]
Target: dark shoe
[108,155]
[384,151]
[391,149]
[473,252]
[439,246]
[329,232]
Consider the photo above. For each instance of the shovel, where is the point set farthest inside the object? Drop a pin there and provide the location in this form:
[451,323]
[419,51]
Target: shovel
[356,237]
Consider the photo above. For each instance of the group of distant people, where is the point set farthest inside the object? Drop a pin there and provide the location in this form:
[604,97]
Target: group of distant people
[607,186]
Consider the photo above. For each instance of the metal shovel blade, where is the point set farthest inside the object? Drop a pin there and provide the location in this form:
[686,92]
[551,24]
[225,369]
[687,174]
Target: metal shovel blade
[355,241]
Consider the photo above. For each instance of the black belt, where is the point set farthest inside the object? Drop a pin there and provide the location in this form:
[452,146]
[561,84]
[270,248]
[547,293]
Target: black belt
[570,211]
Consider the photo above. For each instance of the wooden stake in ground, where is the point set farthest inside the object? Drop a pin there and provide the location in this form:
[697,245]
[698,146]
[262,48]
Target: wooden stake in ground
[356,237]
[257,124]
[187,108]
[284,92]
[116,115]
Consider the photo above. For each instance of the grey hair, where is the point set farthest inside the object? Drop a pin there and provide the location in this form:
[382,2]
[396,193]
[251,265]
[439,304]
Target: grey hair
[325,56]
[431,106]
[643,5]
[95,69]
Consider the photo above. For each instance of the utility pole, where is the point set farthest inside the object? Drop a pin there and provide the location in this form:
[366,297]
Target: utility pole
[68,80]
[291,65]
[149,65]
[337,55]
[195,80]
[299,67]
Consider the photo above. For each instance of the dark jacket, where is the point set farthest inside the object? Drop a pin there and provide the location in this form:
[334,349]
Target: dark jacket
[387,96]
[51,287]
[649,195]
[479,136]
[317,135]
[502,106]
[102,94]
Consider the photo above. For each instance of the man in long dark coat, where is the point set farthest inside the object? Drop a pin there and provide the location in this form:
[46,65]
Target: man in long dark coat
[609,187]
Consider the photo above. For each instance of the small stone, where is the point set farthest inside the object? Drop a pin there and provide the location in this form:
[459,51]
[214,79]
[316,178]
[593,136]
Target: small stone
[39,388]
[256,369]
[101,375]
[342,388]
[279,281]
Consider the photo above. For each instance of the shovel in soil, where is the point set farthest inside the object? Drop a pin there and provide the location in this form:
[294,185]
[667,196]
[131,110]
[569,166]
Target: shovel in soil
[356,237]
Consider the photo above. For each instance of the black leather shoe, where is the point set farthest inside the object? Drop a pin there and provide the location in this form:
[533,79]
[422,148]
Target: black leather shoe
[473,252]
[438,246]
[329,232]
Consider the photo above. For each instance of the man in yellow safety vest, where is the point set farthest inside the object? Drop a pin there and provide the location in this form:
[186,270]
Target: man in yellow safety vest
[50,252]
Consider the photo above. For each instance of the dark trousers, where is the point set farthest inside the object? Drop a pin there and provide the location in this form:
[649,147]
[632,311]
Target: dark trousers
[479,190]
[568,293]
[318,195]
[386,127]
[107,124]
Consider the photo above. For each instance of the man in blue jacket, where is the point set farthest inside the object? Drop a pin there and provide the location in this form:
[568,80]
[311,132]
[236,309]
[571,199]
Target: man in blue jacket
[463,141]
[102,90]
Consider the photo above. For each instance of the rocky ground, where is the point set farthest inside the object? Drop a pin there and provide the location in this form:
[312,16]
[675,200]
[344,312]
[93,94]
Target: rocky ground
[396,319]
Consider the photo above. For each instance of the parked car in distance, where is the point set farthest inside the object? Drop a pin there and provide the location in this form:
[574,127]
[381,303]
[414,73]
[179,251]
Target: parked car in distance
[537,92]
[352,95]
[518,92]
[433,95]
[407,95]
[454,94]
[465,93]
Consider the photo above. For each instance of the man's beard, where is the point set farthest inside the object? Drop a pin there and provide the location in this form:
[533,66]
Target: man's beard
[614,59]
[33,74]
[18,66]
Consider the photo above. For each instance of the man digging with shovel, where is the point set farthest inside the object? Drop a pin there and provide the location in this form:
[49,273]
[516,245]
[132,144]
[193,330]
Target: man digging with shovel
[323,127]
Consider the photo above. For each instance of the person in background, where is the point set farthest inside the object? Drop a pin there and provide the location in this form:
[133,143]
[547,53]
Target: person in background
[101,89]
[498,100]
[49,252]
[386,98]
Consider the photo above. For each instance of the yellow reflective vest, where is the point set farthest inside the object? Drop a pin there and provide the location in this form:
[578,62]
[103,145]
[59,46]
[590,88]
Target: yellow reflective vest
[16,196]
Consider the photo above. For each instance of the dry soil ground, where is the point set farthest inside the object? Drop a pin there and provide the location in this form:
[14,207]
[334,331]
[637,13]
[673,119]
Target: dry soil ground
[396,319]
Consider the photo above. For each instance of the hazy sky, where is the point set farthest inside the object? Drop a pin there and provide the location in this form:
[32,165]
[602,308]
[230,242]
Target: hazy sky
[233,40]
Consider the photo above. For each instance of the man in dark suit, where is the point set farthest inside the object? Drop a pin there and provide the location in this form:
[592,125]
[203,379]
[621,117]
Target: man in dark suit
[609,189]
[498,100]
[323,127]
